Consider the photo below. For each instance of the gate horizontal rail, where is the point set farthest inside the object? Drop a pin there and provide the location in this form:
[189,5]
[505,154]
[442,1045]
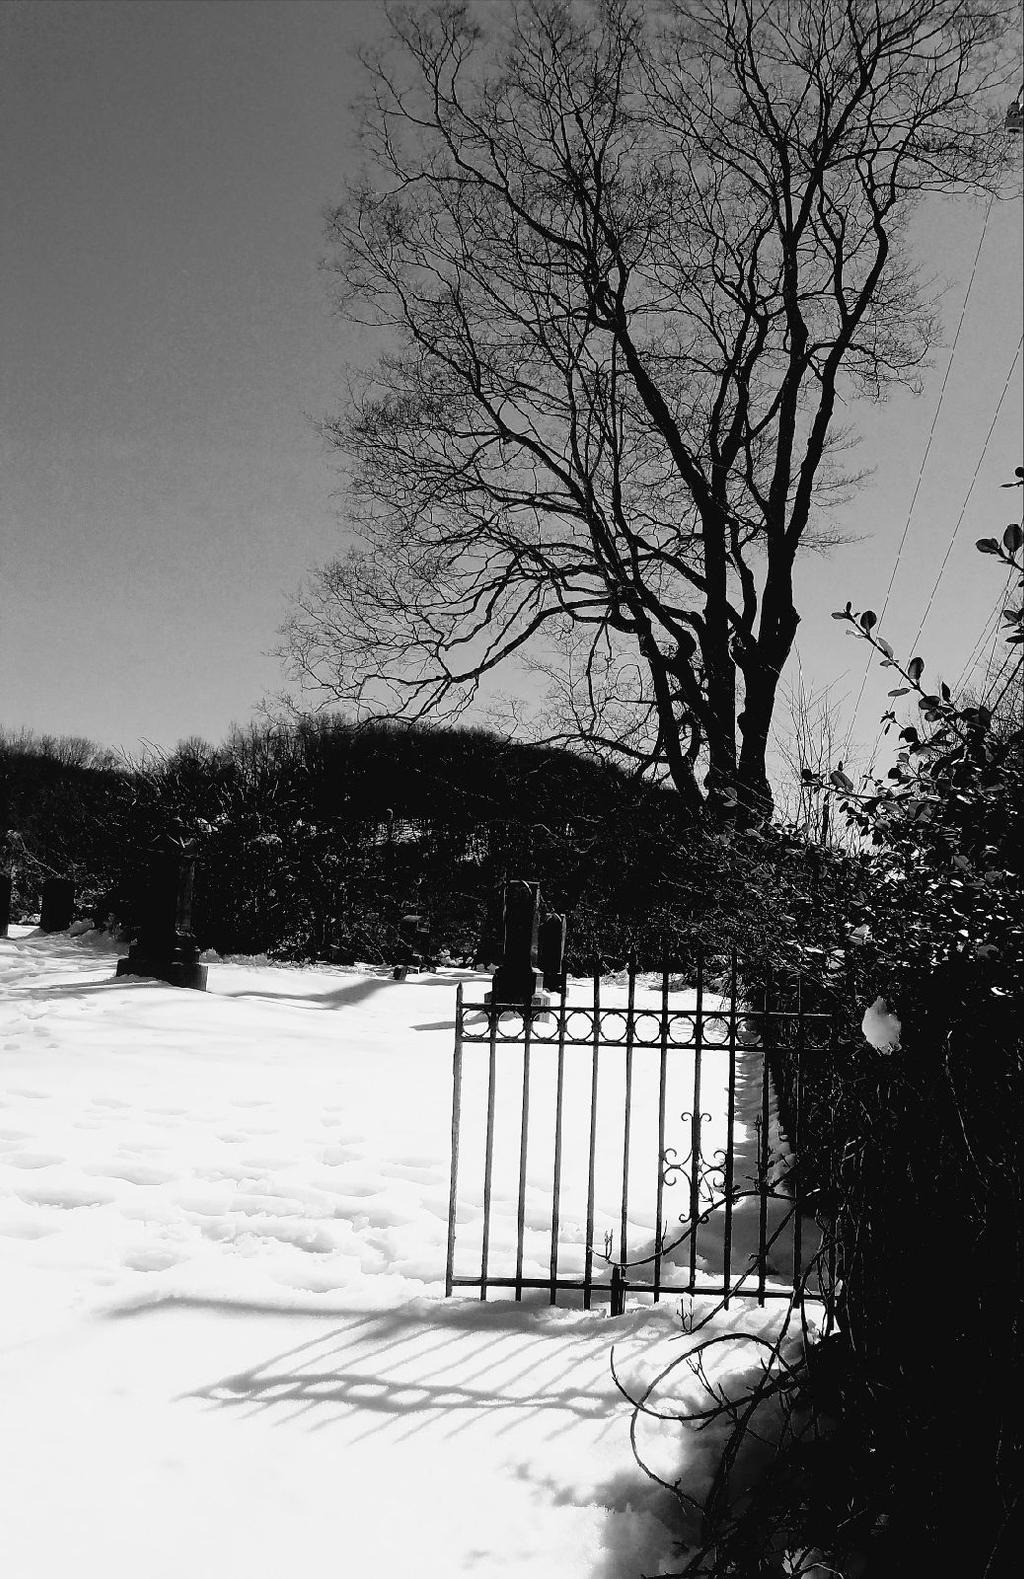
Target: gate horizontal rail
[568,1137]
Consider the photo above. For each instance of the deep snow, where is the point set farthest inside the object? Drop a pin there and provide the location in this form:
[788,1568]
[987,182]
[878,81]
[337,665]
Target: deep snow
[224,1349]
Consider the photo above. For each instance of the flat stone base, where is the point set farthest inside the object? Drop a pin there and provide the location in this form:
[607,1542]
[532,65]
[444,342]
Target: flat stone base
[540,1003]
[513,984]
[177,973]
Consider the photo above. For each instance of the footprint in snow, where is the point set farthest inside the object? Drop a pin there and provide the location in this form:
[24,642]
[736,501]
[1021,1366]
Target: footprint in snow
[352,1191]
[68,1197]
[219,1229]
[314,1240]
[132,1173]
[222,1175]
[337,1156]
[151,1260]
[26,1229]
[411,1172]
[260,1205]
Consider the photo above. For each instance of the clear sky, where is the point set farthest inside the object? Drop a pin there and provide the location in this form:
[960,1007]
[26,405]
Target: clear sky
[166,337]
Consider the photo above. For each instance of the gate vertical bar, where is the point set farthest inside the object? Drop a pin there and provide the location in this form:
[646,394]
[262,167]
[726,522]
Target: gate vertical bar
[556,1178]
[762,1149]
[449,1272]
[494,1014]
[833,1248]
[662,1082]
[627,1115]
[794,1139]
[695,1125]
[730,1134]
[524,1139]
[588,1264]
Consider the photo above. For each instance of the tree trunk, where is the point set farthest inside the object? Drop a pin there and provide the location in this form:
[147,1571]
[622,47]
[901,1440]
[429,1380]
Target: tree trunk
[779,621]
[720,669]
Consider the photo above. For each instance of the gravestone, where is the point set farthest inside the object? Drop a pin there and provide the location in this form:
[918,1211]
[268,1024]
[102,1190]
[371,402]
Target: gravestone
[551,952]
[416,951]
[5,903]
[57,910]
[165,948]
[490,945]
[515,980]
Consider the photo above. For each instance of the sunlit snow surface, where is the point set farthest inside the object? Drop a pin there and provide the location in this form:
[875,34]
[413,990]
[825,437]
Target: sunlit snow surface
[223,1344]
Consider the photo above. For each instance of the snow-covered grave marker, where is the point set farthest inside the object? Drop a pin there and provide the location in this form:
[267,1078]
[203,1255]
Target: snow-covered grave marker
[224,1347]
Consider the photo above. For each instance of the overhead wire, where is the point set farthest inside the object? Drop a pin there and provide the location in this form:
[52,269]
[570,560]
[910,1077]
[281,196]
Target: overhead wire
[956,528]
[963,509]
[927,452]
[993,706]
[977,652]
[988,666]
[985,638]
[1008,658]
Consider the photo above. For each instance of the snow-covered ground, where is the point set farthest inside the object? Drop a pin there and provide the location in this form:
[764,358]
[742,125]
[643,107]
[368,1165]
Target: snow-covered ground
[224,1349]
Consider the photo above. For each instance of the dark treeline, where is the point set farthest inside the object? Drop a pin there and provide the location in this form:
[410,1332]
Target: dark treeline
[314,838]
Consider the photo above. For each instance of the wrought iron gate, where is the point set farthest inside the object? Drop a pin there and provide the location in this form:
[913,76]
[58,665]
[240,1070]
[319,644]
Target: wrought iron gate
[574,1120]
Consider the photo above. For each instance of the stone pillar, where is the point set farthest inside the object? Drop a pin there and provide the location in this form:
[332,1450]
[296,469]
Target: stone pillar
[551,952]
[5,903]
[57,910]
[515,980]
[165,948]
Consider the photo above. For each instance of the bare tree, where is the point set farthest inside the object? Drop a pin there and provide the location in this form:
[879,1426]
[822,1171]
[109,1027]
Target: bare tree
[627,260]
[810,741]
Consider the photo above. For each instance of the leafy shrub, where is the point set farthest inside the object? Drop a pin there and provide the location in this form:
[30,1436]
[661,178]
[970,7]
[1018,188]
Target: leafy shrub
[917,1155]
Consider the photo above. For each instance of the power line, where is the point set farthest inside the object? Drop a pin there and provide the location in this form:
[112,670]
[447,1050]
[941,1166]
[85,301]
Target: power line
[992,640]
[974,657]
[994,706]
[1008,658]
[927,452]
[991,660]
[956,528]
[989,638]
[988,631]
[963,510]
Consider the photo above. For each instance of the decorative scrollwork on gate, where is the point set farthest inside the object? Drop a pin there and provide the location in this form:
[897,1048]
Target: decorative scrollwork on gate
[705,1175]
